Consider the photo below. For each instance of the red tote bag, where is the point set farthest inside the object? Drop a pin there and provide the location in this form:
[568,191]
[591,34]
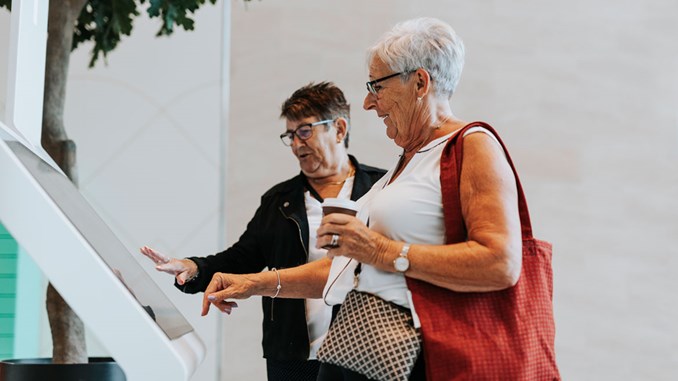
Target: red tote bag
[481,336]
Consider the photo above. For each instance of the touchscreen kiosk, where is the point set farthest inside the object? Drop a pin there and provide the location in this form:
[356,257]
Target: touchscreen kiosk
[91,268]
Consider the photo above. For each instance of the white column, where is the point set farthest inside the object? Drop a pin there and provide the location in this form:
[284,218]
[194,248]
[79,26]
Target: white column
[26,68]
[223,148]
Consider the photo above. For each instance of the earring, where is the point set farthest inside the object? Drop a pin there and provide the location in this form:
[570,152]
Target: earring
[418,99]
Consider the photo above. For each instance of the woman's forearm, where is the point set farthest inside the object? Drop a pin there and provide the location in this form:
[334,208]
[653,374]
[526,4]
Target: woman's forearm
[463,267]
[305,281]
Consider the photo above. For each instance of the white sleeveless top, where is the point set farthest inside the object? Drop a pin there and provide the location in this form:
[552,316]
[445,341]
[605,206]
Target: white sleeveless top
[409,209]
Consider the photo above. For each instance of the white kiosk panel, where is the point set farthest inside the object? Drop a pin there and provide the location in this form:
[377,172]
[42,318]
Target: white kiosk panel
[94,272]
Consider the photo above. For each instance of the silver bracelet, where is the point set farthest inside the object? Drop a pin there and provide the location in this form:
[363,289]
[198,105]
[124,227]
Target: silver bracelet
[197,273]
[277,289]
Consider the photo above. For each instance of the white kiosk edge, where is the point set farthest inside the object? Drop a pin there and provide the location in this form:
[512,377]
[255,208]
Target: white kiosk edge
[86,282]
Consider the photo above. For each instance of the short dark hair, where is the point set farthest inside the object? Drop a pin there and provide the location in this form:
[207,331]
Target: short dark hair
[323,101]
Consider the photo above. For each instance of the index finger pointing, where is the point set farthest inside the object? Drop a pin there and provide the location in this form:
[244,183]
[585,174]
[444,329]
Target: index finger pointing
[207,297]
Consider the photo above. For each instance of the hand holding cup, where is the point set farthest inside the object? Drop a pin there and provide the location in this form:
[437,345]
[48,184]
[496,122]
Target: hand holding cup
[338,205]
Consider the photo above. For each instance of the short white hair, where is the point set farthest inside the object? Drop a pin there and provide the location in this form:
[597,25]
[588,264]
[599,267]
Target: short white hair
[426,43]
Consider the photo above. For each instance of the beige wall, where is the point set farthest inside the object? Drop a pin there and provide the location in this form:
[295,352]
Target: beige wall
[585,94]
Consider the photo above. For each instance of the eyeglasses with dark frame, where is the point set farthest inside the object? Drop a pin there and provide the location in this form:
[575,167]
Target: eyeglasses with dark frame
[374,91]
[303,131]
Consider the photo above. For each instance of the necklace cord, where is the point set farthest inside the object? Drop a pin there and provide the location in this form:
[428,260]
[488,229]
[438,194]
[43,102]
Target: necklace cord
[350,173]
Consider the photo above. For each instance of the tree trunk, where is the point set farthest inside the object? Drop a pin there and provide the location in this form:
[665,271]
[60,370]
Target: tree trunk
[68,332]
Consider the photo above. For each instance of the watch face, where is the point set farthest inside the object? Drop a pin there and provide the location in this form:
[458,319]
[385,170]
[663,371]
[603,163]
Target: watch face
[401,264]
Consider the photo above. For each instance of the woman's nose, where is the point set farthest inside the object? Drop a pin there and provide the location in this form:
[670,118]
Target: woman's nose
[296,141]
[368,103]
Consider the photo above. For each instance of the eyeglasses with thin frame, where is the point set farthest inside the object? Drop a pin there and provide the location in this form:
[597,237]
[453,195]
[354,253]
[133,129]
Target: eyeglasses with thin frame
[374,90]
[303,132]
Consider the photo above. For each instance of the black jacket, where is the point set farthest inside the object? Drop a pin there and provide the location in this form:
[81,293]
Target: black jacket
[277,236]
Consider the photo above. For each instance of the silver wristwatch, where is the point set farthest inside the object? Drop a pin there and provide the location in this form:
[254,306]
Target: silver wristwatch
[401,263]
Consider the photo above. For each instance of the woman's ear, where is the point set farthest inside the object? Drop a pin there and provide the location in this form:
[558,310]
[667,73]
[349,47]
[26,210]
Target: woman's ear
[341,125]
[423,82]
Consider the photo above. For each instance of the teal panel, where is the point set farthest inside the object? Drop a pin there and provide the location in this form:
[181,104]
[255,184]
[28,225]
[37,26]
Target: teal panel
[7,246]
[8,267]
[8,285]
[7,325]
[7,303]
[8,264]
[30,293]
[6,343]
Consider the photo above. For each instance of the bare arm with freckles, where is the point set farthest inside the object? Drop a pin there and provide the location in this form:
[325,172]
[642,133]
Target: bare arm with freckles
[491,258]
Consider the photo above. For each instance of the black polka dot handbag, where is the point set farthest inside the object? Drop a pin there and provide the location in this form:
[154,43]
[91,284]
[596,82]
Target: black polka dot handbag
[373,337]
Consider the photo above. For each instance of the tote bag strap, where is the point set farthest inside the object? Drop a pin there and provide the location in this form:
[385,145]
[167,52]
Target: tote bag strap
[450,179]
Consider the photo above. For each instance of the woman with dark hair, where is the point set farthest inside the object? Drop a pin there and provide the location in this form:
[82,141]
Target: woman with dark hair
[281,234]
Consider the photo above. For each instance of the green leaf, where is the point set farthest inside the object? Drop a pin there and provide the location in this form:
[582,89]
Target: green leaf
[104,22]
[171,12]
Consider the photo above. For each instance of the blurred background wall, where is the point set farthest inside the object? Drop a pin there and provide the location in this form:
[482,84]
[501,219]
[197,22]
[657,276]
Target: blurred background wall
[584,93]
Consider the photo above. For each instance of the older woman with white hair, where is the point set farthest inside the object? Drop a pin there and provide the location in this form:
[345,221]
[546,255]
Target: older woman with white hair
[437,237]
[438,276]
